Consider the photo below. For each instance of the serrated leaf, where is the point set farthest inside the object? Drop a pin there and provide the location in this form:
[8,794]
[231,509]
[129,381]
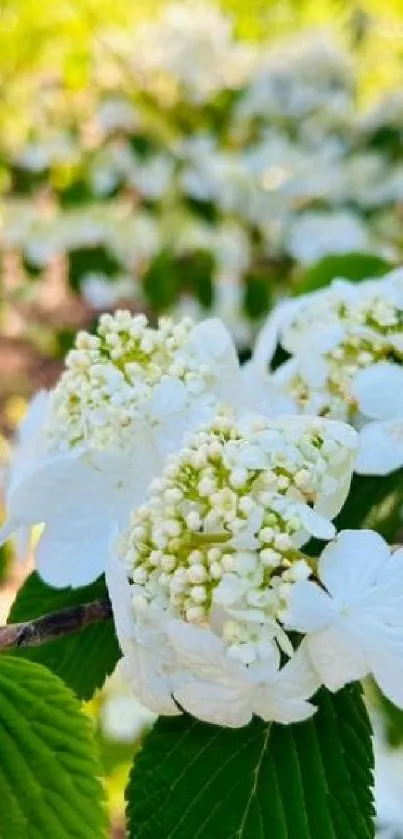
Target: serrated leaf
[83,660]
[307,781]
[49,771]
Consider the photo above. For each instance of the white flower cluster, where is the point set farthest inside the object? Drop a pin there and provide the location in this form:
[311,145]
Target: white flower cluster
[127,396]
[219,608]
[124,379]
[255,144]
[224,524]
[190,52]
[346,347]
[213,557]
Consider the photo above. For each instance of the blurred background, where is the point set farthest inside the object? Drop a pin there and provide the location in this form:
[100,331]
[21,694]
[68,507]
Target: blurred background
[189,158]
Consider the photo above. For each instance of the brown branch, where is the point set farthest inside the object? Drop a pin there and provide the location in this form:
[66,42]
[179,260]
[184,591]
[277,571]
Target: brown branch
[41,630]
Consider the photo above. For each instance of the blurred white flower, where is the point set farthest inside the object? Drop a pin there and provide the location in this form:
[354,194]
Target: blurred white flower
[388,786]
[193,49]
[116,113]
[103,292]
[316,234]
[122,717]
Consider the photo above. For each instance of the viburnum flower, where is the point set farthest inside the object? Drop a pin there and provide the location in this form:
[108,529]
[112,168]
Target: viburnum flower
[346,347]
[351,615]
[379,391]
[127,396]
[210,560]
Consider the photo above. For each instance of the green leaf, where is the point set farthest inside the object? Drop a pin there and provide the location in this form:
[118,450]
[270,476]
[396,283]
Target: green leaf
[49,772]
[349,266]
[375,502]
[392,717]
[83,660]
[307,781]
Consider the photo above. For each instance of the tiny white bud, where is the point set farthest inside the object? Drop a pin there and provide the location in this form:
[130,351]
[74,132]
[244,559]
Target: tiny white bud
[195,614]
[193,520]
[282,542]
[216,571]
[197,574]
[238,477]
[270,558]
[168,562]
[198,594]
[228,562]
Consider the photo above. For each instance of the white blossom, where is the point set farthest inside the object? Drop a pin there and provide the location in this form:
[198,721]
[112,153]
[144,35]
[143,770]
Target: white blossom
[124,401]
[346,346]
[209,561]
[317,234]
[351,616]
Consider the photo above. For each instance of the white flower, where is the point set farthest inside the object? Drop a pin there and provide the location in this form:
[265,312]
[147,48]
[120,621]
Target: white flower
[27,451]
[353,619]
[379,393]
[171,665]
[225,693]
[316,234]
[346,345]
[125,400]
[380,449]
[103,292]
[203,574]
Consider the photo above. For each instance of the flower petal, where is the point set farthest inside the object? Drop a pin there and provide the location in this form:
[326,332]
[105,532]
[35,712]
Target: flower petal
[73,552]
[310,609]
[147,683]
[315,524]
[212,345]
[337,657]
[351,563]
[228,705]
[379,390]
[285,699]
[120,596]
[380,448]
[298,676]
[270,334]
[387,670]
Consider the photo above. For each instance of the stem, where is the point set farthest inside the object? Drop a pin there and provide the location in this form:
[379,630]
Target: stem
[47,628]
[200,539]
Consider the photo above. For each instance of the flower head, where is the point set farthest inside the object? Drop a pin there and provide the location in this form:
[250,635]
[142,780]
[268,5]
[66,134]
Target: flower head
[214,553]
[346,346]
[127,396]
[129,376]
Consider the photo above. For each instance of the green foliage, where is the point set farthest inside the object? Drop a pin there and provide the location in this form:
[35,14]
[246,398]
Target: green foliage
[392,717]
[349,266]
[374,502]
[49,772]
[161,284]
[83,660]
[84,261]
[257,295]
[307,781]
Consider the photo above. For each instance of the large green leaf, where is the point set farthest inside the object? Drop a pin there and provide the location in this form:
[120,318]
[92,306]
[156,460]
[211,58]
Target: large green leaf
[307,781]
[49,772]
[83,660]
